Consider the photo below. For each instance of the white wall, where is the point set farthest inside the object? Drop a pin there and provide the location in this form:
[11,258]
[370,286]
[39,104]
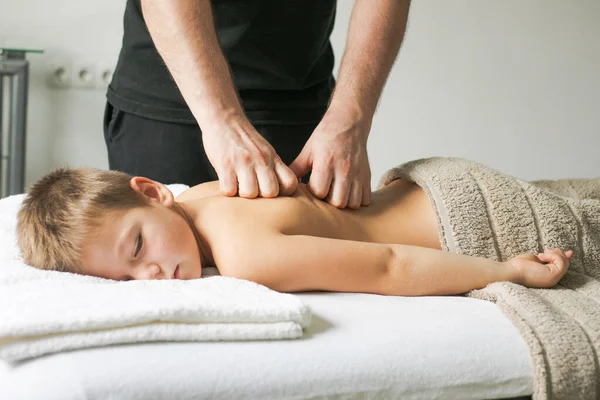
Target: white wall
[514,84]
[64,126]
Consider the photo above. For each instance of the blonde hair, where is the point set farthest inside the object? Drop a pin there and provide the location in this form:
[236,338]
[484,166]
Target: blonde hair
[63,208]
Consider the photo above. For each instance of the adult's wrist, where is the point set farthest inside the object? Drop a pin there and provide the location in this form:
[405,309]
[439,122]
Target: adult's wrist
[351,115]
[214,120]
[350,108]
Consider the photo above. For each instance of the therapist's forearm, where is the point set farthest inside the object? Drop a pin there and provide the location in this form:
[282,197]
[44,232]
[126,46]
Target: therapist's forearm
[184,35]
[375,34]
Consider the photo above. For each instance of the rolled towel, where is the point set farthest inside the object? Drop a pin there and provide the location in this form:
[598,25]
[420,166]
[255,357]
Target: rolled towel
[482,212]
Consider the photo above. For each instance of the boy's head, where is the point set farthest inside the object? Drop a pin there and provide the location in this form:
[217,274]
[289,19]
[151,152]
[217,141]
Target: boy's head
[63,208]
[92,222]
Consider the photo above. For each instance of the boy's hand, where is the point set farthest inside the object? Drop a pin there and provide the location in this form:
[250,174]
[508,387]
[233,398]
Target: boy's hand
[543,270]
[246,163]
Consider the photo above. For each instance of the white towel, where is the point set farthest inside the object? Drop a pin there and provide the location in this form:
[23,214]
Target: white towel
[43,312]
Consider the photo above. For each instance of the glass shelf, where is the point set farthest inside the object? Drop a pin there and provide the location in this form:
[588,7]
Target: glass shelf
[19,49]
[15,53]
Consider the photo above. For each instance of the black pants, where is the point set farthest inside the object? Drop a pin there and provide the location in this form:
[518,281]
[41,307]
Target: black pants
[173,152]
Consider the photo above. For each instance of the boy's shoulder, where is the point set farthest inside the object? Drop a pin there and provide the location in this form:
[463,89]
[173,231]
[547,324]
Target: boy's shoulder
[206,189]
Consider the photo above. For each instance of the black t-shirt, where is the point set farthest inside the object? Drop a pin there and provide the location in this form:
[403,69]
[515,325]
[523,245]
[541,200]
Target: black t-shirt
[278,50]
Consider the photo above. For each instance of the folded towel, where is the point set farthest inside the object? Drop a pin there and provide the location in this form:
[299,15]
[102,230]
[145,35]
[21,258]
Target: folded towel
[43,312]
[45,316]
[482,212]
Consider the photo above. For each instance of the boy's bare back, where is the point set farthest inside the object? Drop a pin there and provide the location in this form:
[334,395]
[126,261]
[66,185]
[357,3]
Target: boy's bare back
[399,213]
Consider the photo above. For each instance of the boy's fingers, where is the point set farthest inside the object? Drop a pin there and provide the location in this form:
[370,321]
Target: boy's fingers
[557,257]
[559,261]
[563,256]
[562,261]
[569,253]
[545,256]
[557,252]
[550,256]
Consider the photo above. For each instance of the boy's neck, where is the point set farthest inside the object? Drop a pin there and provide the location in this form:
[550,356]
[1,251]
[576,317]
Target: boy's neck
[206,257]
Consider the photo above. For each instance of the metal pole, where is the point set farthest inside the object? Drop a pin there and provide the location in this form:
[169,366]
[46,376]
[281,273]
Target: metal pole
[17,132]
[2,178]
[14,68]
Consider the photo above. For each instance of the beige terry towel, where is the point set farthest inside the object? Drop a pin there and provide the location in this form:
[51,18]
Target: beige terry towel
[482,212]
[577,189]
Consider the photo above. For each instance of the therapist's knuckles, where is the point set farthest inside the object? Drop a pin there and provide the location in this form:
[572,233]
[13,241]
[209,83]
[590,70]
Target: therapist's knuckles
[319,183]
[287,188]
[287,179]
[268,186]
[227,182]
[319,190]
[355,198]
[338,199]
[228,189]
[248,190]
[340,189]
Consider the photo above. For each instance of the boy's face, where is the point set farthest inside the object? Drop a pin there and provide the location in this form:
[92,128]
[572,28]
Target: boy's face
[153,242]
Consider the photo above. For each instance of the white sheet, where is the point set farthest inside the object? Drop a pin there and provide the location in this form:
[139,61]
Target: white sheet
[358,346]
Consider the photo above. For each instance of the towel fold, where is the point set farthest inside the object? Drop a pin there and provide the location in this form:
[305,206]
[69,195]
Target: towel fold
[44,312]
[48,316]
[482,212]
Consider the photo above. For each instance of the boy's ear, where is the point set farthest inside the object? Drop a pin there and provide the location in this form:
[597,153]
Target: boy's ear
[152,189]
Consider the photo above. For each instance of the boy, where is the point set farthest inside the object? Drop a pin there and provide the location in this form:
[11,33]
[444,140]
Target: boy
[108,224]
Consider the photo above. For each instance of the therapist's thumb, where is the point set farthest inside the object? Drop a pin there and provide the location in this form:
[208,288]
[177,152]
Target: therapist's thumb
[301,164]
[287,180]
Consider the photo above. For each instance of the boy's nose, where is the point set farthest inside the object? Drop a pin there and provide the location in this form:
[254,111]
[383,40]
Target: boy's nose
[151,271]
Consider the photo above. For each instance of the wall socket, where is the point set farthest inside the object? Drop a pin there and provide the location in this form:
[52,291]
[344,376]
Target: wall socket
[79,75]
[105,74]
[84,76]
[59,75]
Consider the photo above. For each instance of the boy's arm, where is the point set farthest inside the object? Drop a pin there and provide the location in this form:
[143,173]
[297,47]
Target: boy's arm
[291,263]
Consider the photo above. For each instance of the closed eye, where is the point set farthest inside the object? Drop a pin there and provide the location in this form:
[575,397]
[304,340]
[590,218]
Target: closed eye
[139,244]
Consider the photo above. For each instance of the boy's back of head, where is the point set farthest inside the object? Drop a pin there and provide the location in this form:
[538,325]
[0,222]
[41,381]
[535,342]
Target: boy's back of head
[63,208]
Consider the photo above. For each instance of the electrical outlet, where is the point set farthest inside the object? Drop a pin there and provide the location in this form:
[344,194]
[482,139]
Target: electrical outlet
[59,74]
[104,75]
[84,76]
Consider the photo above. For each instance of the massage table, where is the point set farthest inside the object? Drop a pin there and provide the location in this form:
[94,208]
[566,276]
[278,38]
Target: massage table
[359,346]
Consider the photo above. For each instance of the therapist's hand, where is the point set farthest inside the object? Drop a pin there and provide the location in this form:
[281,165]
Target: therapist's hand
[245,162]
[336,155]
